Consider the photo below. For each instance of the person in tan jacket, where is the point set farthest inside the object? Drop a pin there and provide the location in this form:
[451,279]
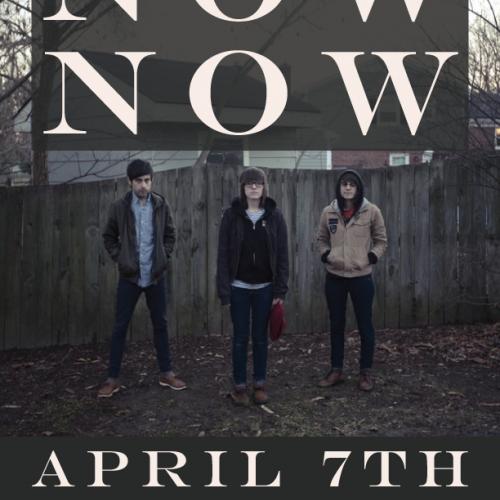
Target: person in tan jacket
[351,239]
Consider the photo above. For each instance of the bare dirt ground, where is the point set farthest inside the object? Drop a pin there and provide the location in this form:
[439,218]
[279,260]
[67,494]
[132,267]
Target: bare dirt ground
[429,382]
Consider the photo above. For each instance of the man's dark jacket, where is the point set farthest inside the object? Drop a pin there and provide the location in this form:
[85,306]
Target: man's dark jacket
[234,226]
[120,237]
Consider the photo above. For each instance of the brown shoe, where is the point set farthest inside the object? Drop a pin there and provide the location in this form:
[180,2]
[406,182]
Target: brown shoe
[365,382]
[168,379]
[334,377]
[260,396]
[239,396]
[108,388]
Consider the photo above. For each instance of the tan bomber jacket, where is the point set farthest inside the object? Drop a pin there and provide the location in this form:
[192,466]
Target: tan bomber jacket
[349,245]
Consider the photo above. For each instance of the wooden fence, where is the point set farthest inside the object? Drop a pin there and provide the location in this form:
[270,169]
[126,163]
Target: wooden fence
[58,284]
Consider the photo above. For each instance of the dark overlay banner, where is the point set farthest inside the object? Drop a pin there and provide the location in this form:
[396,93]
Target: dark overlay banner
[319,468]
[250,74]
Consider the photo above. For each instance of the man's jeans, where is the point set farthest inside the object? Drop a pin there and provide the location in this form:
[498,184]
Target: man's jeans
[361,290]
[258,303]
[126,298]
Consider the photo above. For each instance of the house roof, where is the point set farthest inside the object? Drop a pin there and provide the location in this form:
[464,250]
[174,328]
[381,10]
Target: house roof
[167,81]
[484,105]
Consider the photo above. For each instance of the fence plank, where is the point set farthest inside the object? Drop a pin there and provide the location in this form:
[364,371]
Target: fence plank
[14,249]
[392,268]
[471,244]
[492,252]
[61,258]
[422,244]
[230,189]
[28,305]
[451,289]
[4,264]
[169,190]
[407,313]
[289,207]
[44,272]
[377,193]
[437,245]
[322,180]
[305,239]
[199,241]
[183,289]
[77,208]
[107,274]
[91,269]
[214,215]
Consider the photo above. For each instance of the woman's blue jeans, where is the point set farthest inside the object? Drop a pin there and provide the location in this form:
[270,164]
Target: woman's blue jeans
[250,306]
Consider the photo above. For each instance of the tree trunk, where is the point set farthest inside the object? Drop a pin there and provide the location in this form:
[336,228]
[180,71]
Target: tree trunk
[42,90]
[39,168]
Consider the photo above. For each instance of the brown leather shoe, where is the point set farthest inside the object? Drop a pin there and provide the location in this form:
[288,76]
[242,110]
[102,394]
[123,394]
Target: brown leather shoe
[365,382]
[334,377]
[168,379]
[260,396]
[108,388]
[239,396]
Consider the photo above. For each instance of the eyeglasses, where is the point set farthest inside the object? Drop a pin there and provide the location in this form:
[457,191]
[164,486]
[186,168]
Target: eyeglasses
[348,183]
[254,184]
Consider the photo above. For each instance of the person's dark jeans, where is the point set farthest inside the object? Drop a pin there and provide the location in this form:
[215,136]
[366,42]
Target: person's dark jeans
[362,291]
[257,304]
[127,296]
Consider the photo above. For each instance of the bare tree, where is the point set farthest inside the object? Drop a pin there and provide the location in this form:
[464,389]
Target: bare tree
[25,74]
[15,40]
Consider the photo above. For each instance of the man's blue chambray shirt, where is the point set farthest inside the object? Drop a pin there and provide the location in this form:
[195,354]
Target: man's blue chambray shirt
[145,237]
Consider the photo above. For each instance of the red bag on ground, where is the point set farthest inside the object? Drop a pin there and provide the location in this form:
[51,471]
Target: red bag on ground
[277,321]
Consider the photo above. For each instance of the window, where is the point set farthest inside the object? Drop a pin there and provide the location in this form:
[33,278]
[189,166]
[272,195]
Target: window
[497,138]
[398,159]
[427,156]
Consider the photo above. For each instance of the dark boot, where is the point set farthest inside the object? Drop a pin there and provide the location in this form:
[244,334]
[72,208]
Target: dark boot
[239,396]
[260,396]
[334,377]
[365,381]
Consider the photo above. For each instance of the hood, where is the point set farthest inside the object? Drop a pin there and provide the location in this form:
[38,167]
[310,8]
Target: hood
[358,200]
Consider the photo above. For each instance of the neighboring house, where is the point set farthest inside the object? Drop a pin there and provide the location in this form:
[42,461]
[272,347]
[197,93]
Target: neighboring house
[165,112]
[484,136]
[16,175]
[374,159]
[484,121]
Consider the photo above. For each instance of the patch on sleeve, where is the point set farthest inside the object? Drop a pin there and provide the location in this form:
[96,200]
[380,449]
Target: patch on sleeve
[332,224]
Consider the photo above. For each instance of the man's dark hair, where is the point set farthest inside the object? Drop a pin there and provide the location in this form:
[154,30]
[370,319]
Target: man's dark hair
[138,168]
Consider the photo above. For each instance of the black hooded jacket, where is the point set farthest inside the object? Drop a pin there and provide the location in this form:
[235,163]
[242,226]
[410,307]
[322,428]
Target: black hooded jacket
[254,254]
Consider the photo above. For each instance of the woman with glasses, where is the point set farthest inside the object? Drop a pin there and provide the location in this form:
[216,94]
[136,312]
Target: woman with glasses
[252,276]
[351,239]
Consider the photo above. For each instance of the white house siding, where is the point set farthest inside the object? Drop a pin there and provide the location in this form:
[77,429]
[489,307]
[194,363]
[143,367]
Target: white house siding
[289,159]
[87,166]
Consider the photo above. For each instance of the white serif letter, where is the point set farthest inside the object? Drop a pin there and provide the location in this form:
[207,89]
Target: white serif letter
[200,92]
[63,14]
[100,87]
[394,62]
[212,8]
[365,7]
